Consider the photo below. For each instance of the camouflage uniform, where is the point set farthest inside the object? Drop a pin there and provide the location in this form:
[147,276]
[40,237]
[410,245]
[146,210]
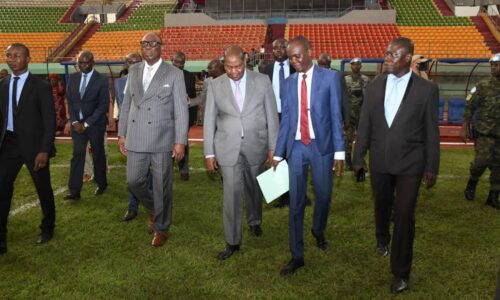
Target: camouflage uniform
[483,112]
[356,86]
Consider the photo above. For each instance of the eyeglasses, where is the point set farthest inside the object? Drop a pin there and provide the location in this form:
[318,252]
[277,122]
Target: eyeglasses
[151,44]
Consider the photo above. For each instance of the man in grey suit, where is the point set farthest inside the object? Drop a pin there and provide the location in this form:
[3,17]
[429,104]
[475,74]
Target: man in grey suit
[240,132]
[153,129]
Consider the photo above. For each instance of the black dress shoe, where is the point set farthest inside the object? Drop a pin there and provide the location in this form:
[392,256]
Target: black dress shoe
[99,191]
[399,285]
[185,177]
[255,230]
[493,199]
[228,251]
[382,250]
[3,247]
[321,242]
[292,266]
[130,215]
[44,237]
[72,197]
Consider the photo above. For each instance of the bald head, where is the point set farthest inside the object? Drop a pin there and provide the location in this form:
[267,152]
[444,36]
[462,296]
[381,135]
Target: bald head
[151,47]
[85,61]
[132,58]
[234,51]
[234,62]
[324,60]
[215,68]
[179,60]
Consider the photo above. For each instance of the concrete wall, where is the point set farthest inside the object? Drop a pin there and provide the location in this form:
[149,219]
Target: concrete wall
[355,16]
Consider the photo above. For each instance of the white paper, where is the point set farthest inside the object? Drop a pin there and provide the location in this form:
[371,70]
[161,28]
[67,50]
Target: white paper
[274,183]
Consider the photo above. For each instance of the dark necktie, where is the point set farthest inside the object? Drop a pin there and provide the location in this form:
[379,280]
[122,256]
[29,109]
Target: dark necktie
[84,86]
[14,97]
[304,116]
[282,73]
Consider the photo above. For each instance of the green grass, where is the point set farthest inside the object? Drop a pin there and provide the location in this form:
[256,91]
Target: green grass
[96,256]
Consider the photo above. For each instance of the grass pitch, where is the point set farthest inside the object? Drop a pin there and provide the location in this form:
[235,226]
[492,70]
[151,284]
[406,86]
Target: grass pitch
[94,255]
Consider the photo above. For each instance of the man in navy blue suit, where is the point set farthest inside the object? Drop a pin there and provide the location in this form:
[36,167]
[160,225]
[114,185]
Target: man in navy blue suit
[310,135]
[88,99]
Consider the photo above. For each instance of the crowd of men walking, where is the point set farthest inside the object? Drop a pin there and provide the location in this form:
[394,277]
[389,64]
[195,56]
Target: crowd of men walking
[306,114]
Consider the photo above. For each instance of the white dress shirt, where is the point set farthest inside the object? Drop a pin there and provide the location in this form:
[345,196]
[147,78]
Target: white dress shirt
[154,67]
[276,80]
[20,85]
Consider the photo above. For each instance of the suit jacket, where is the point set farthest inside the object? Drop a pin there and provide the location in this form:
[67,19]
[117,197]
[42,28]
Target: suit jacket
[35,118]
[411,145]
[224,122]
[346,100]
[95,102]
[269,70]
[120,90]
[152,121]
[326,115]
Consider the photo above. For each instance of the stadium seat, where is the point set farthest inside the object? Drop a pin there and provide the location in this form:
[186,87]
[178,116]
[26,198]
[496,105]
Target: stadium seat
[441,110]
[456,108]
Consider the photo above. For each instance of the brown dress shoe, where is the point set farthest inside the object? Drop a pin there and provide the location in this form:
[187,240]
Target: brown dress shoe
[159,239]
[151,220]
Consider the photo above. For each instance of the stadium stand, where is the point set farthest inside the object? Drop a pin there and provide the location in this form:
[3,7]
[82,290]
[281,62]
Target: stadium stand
[111,46]
[447,41]
[209,42]
[424,13]
[37,3]
[346,40]
[33,19]
[145,17]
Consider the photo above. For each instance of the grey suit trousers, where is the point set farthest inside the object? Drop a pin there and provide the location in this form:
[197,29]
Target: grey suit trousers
[240,183]
[159,199]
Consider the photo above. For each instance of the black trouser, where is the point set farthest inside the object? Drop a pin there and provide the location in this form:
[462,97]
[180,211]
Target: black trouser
[11,162]
[400,192]
[94,135]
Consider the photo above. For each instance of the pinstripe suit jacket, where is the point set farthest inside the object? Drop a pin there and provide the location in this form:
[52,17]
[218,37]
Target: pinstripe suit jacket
[154,120]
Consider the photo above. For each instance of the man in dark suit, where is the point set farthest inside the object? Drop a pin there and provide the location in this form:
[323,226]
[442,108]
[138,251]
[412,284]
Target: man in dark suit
[27,130]
[87,94]
[178,61]
[310,135]
[325,61]
[399,125]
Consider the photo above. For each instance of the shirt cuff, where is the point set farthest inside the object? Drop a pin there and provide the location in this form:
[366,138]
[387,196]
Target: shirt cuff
[209,156]
[340,155]
[278,158]
[86,125]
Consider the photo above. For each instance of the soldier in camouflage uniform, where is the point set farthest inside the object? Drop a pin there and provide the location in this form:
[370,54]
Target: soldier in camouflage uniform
[356,84]
[483,113]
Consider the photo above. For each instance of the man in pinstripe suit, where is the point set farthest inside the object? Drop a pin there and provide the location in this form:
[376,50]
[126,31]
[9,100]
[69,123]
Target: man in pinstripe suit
[152,130]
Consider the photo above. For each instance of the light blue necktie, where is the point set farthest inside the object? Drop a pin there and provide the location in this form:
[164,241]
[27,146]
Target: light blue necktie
[390,106]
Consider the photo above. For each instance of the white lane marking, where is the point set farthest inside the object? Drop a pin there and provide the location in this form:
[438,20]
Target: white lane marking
[34,203]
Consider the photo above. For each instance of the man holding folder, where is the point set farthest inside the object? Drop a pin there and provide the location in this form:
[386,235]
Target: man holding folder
[310,135]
